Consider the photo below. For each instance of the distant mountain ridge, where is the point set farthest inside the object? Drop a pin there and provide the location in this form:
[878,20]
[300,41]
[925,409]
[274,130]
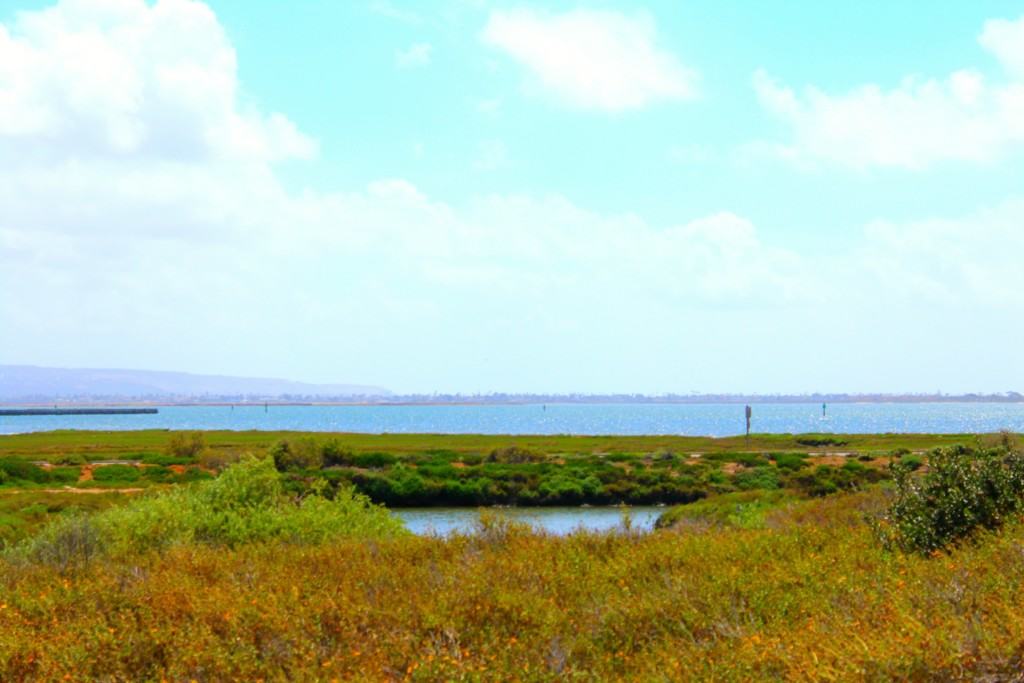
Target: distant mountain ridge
[29,382]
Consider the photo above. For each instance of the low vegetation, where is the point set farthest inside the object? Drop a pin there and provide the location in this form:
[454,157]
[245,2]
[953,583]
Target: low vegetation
[261,574]
[806,593]
[517,475]
[245,504]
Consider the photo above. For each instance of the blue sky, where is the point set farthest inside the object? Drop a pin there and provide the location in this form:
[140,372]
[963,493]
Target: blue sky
[475,196]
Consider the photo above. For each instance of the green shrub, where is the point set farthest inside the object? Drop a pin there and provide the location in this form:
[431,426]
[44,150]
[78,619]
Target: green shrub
[748,459]
[120,473]
[333,454]
[790,462]
[299,454]
[911,462]
[192,474]
[65,475]
[158,473]
[71,459]
[64,544]
[374,460]
[820,482]
[964,491]
[818,440]
[165,459]
[757,478]
[245,504]
[217,460]
[186,445]
[515,454]
[745,510]
[854,467]
[19,469]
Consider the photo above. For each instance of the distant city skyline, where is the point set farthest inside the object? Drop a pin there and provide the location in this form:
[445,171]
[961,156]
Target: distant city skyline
[469,197]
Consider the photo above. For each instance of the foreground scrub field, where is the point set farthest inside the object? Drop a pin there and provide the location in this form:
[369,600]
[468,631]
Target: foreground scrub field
[807,594]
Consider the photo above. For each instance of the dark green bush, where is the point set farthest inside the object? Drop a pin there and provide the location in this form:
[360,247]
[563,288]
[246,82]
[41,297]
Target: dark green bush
[18,469]
[515,454]
[298,454]
[757,478]
[108,473]
[912,462]
[964,491]
[64,475]
[71,459]
[749,459]
[334,454]
[790,462]
[165,459]
[374,460]
[158,473]
[818,440]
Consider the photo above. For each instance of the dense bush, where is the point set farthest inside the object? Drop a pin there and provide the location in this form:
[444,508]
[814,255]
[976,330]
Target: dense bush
[64,475]
[515,454]
[186,445]
[825,479]
[298,454]
[911,462]
[817,440]
[165,459]
[757,478]
[333,454]
[790,462]
[374,460]
[109,473]
[964,491]
[17,469]
[245,504]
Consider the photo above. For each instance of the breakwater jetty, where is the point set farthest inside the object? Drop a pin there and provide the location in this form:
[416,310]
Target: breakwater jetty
[5,412]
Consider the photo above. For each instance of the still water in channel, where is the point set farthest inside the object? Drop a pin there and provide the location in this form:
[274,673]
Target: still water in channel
[554,520]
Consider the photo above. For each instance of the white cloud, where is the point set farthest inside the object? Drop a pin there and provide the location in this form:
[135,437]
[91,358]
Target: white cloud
[151,211]
[416,55]
[962,117]
[971,260]
[150,242]
[1005,39]
[107,79]
[592,59]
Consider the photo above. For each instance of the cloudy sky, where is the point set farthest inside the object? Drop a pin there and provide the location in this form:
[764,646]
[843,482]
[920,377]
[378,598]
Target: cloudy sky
[471,196]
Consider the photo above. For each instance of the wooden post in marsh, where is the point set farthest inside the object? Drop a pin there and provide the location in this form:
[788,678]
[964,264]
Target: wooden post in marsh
[748,412]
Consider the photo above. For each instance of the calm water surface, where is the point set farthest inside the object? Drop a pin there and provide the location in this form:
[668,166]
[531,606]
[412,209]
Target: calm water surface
[555,520]
[570,418]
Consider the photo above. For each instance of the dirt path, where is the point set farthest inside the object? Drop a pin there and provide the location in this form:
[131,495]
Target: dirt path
[70,489]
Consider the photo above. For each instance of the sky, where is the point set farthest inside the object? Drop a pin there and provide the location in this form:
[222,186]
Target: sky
[473,196]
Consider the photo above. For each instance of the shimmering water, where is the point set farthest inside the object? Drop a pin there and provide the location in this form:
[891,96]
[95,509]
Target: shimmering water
[555,520]
[566,418]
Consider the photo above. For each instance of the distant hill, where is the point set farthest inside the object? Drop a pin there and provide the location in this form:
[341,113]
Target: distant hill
[32,383]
